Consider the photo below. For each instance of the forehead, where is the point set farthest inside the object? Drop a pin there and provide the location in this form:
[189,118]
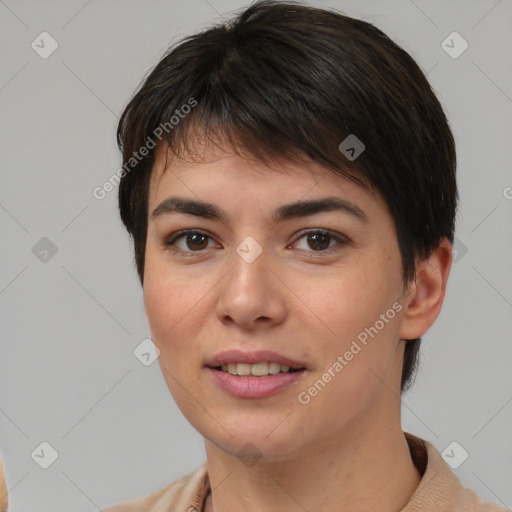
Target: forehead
[225,160]
[222,185]
[240,189]
[220,170]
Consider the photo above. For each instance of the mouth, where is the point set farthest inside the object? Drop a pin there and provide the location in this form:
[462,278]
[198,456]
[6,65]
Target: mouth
[256,363]
[257,370]
[247,385]
[259,373]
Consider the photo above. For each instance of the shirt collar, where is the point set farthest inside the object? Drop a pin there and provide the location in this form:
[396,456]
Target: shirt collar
[437,484]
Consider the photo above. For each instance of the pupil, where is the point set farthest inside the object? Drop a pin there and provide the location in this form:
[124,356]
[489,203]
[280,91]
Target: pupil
[315,240]
[194,238]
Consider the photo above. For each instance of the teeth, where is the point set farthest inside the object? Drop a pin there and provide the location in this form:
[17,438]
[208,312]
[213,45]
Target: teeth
[257,370]
[274,368]
[243,369]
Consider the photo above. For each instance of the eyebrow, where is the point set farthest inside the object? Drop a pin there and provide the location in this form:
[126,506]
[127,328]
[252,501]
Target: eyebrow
[297,209]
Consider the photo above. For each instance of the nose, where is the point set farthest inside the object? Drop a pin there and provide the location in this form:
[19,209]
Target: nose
[252,295]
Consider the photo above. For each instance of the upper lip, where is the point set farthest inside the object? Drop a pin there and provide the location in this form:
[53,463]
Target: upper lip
[253,357]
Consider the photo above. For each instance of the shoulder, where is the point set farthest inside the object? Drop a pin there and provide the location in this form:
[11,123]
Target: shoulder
[467,500]
[440,490]
[184,494]
[3,489]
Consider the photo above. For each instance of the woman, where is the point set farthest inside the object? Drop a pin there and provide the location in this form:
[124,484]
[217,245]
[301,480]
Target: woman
[289,183]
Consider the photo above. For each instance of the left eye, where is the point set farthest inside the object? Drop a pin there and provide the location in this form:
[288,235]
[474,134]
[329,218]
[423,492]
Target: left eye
[318,239]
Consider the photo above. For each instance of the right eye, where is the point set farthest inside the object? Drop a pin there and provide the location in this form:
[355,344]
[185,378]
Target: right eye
[193,239]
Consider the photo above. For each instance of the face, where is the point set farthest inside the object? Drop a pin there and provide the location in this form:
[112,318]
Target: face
[321,288]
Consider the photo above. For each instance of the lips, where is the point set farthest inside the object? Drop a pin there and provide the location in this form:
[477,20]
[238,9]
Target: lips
[253,357]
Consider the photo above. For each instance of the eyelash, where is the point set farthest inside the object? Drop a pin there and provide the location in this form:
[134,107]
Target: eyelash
[180,234]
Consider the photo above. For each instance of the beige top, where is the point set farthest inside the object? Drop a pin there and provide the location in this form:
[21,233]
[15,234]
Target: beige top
[439,490]
[3,489]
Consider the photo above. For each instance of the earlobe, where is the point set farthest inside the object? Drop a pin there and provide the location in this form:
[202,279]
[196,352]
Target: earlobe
[424,297]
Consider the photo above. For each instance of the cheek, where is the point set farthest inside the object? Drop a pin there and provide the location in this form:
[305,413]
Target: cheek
[168,310]
[159,305]
[166,303]
[342,305]
[177,310]
[356,317]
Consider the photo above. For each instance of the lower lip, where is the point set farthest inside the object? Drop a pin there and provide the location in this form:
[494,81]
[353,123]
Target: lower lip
[254,387]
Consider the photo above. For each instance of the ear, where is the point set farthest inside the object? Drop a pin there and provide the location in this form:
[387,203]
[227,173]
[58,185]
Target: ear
[424,297]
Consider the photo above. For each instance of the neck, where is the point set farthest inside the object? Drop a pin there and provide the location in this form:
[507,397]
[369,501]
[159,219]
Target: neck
[367,470]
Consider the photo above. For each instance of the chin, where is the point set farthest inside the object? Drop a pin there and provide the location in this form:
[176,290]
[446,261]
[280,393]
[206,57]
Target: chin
[257,441]
[251,451]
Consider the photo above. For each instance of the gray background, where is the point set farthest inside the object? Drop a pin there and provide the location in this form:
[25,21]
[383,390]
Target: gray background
[69,325]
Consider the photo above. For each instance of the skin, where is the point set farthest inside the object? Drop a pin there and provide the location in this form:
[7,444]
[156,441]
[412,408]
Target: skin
[345,449]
